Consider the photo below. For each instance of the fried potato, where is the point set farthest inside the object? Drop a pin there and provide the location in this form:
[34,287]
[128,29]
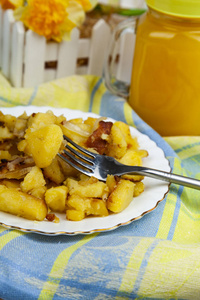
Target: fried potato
[121,196]
[43,144]
[32,180]
[75,215]
[4,154]
[21,204]
[139,188]
[89,206]
[56,197]
[132,143]
[5,134]
[40,120]
[118,145]
[54,172]
[86,188]
[132,158]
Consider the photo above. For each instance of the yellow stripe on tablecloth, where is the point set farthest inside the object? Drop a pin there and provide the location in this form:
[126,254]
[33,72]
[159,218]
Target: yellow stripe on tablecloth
[168,213]
[190,152]
[128,114]
[6,238]
[188,224]
[177,142]
[172,272]
[131,273]
[51,285]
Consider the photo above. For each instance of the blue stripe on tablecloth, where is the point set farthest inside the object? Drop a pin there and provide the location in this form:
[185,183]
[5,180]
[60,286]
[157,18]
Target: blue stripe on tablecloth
[112,107]
[8,101]
[94,90]
[187,147]
[30,101]
[176,213]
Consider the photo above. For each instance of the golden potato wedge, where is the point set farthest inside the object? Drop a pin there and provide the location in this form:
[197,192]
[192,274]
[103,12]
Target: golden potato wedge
[54,172]
[139,188]
[75,215]
[121,196]
[11,183]
[111,182]
[38,192]
[56,197]
[94,190]
[5,134]
[21,204]
[132,158]
[38,120]
[118,145]
[43,144]
[4,154]
[90,206]
[32,180]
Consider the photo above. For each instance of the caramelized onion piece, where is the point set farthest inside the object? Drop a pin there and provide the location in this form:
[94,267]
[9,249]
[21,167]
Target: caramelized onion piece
[76,129]
[17,168]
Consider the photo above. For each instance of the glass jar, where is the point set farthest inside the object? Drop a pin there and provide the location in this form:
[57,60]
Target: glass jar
[165,83]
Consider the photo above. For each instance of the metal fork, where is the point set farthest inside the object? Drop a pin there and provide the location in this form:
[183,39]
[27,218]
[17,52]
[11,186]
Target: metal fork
[100,166]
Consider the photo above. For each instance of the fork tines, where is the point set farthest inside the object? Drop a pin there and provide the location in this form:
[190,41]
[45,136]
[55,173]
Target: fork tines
[77,158]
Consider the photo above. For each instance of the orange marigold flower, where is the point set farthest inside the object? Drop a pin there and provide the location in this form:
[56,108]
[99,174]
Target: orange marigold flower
[48,18]
[11,4]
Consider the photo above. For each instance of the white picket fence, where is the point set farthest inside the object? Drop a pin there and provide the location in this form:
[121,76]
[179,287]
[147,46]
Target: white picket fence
[24,55]
[132,4]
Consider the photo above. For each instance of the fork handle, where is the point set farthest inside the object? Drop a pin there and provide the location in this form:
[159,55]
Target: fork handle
[165,176]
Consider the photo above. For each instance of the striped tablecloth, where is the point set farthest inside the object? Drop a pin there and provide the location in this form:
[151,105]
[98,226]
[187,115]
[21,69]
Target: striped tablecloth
[156,257]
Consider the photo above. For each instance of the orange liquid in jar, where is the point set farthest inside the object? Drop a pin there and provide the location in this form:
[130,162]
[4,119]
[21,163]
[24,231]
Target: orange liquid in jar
[165,84]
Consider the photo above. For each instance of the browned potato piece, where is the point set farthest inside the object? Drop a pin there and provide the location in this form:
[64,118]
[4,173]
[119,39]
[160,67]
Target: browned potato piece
[11,183]
[56,197]
[131,142]
[75,215]
[132,158]
[32,180]
[38,192]
[118,145]
[121,196]
[43,144]
[21,204]
[90,206]
[39,120]
[4,154]
[139,188]
[54,172]
[86,189]
[111,182]
[5,134]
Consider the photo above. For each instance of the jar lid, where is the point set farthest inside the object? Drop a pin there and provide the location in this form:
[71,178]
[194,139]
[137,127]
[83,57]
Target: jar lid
[181,8]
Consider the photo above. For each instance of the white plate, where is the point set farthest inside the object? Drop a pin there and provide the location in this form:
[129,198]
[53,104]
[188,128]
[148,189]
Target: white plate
[155,190]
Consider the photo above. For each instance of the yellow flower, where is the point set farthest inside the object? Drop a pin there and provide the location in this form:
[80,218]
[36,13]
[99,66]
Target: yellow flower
[11,4]
[48,18]
[86,4]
